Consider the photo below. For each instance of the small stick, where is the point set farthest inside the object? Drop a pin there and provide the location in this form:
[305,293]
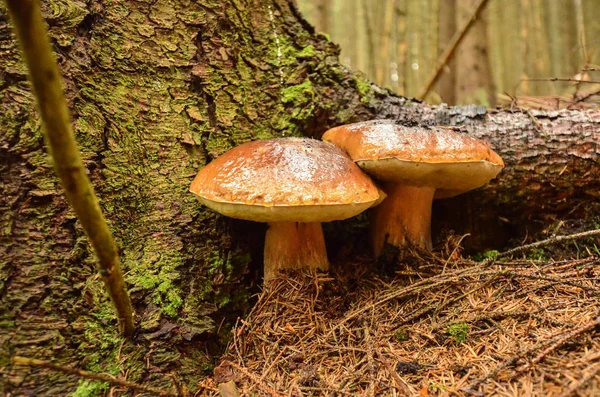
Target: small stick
[370,364]
[400,383]
[32,362]
[512,361]
[582,382]
[564,79]
[452,46]
[437,309]
[551,240]
[45,78]
[275,361]
[565,338]
[254,378]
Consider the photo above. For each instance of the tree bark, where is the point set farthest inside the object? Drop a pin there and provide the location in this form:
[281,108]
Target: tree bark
[323,11]
[156,90]
[447,28]
[474,83]
[552,173]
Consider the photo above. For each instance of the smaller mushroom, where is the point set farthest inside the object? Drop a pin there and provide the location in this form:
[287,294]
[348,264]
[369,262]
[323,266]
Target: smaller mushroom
[416,165]
[293,184]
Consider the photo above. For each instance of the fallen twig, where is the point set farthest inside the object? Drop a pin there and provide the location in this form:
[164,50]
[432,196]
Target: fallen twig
[400,383]
[32,362]
[553,79]
[549,241]
[582,382]
[561,341]
[254,378]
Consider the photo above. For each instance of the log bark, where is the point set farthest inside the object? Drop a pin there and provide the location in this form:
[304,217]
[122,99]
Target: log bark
[552,173]
[156,90]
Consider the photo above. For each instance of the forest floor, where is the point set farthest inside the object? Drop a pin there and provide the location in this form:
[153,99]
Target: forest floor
[440,324]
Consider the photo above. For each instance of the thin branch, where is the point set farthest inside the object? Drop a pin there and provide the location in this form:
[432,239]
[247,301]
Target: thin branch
[512,361]
[568,336]
[451,48]
[400,383]
[46,80]
[32,362]
[551,240]
[581,382]
[253,378]
[585,95]
[564,79]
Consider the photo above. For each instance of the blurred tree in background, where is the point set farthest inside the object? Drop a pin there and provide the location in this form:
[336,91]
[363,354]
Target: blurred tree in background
[397,43]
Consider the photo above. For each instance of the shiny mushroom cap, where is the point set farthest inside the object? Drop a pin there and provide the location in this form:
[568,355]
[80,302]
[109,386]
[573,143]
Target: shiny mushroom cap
[450,161]
[285,180]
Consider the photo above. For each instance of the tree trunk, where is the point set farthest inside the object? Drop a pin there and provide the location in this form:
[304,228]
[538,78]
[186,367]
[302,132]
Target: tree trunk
[447,26]
[474,83]
[157,89]
[323,10]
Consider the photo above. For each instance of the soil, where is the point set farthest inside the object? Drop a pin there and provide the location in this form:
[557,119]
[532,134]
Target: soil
[427,325]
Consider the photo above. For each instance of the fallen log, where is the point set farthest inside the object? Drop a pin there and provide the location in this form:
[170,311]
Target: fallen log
[552,173]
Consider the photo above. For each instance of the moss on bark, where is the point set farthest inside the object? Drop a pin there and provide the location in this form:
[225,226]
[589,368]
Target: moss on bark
[156,90]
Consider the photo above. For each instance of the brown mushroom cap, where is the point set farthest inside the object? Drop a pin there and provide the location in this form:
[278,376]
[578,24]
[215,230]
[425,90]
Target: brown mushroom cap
[285,180]
[447,160]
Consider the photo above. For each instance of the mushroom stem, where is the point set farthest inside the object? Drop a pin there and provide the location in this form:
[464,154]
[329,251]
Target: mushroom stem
[404,218]
[294,245]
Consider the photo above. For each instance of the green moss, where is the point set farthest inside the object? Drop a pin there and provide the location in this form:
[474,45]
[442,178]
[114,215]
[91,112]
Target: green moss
[102,336]
[157,273]
[401,335]
[364,89]
[298,94]
[537,254]
[324,35]
[99,348]
[218,144]
[105,311]
[488,255]
[300,98]
[87,388]
[306,52]
[228,264]
[436,387]
[7,324]
[459,332]
[172,302]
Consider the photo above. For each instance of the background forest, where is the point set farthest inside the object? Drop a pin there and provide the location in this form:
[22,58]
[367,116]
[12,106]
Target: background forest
[397,43]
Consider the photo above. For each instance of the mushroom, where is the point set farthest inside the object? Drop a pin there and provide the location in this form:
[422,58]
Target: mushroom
[293,184]
[415,165]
